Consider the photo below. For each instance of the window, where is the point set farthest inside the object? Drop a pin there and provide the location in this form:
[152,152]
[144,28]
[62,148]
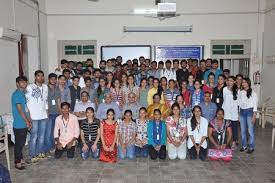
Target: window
[227,49]
[79,49]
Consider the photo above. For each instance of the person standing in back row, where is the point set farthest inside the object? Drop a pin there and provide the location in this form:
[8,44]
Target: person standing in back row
[37,102]
[168,72]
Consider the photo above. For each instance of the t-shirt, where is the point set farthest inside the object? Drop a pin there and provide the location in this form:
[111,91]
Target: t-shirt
[90,130]
[18,97]
[37,101]
[53,96]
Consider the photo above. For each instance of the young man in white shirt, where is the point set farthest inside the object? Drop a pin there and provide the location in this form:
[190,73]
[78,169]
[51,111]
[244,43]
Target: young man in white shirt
[37,95]
[168,72]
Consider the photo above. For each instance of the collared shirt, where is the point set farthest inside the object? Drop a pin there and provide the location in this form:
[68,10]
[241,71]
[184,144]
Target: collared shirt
[126,131]
[169,74]
[37,101]
[66,130]
[171,95]
[199,132]
[208,111]
[65,95]
[182,75]
[247,103]
[81,107]
[134,107]
[176,128]
[102,110]
[141,129]
[230,106]
[154,73]
[116,95]
[18,97]
[53,96]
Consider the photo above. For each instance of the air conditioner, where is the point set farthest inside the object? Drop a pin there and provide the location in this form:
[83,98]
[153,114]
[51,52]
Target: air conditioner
[167,9]
[10,35]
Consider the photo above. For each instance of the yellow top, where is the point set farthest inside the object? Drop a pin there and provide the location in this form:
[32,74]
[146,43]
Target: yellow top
[150,95]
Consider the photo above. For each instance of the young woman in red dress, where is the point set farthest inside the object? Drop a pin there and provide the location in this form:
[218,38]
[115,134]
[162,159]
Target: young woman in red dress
[108,127]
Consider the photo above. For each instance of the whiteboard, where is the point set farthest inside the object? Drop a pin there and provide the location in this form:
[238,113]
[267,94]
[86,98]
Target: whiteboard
[128,52]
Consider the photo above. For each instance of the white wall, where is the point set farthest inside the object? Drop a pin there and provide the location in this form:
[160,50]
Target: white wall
[22,16]
[103,21]
[268,73]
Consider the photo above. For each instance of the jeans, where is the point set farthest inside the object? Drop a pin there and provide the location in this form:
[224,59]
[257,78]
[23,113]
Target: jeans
[130,152]
[142,151]
[86,155]
[234,125]
[246,123]
[177,152]
[49,139]
[37,138]
[20,140]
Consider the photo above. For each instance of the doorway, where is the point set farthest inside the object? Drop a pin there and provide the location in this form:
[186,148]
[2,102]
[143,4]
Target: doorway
[236,66]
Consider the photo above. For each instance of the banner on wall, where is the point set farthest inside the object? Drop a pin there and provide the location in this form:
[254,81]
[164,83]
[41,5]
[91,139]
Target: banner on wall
[178,52]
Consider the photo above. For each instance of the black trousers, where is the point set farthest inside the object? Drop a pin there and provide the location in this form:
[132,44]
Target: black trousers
[70,152]
[161,154]
[193,153]
[20,140]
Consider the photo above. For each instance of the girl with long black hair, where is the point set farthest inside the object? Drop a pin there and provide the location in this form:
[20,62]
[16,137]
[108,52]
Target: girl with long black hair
[248,101]
[197,127]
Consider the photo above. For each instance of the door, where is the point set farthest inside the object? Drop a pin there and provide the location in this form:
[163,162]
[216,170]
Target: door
[236,66]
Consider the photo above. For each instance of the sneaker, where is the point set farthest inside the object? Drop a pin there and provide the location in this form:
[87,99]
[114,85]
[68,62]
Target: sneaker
[48,155]
[234,146]
[243,149]
[250,151]
[32,160]
[41,156]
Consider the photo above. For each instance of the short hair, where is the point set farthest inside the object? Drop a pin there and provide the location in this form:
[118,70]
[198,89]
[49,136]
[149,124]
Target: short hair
[154,62]
[202,60]
[168,62]
[239,75]
[226,70]
[89,59]
[183,61]
[38,72]
[161,62]
[207,92]
[63,61]
[75,77]
[214,61]
[66,70]
[71,62]
[61,76]
[87,79]
[65,104]
[79,63]
[87,70]
[21,78]
[176,60]
[102,61]
[52,75]
[85,92]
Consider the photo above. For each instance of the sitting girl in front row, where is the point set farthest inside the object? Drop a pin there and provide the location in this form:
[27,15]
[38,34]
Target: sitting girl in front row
[220,137]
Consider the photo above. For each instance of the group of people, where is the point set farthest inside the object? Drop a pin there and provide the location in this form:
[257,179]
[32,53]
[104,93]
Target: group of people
[138,109]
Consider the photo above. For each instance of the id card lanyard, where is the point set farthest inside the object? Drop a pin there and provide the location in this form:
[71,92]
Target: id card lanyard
[65,125]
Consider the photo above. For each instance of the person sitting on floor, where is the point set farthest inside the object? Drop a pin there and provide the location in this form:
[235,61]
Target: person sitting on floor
[66,132]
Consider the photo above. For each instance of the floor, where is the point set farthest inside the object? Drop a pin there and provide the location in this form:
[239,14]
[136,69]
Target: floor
[258,167]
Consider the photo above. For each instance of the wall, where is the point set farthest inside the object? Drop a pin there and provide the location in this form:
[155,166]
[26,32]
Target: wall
[103,21]
[268,73]
[20,15]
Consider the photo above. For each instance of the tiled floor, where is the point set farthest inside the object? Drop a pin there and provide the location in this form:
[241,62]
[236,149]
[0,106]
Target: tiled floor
[258,168]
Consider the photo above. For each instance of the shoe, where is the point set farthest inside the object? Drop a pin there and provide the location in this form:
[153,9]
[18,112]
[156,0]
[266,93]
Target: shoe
[243,149]
[48,155]
[234,146]
[250,151]
[41,156]
[34,160]
[20,167]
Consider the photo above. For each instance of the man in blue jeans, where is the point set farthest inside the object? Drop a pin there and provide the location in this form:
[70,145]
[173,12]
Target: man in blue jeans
[54,101]
[37,95]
